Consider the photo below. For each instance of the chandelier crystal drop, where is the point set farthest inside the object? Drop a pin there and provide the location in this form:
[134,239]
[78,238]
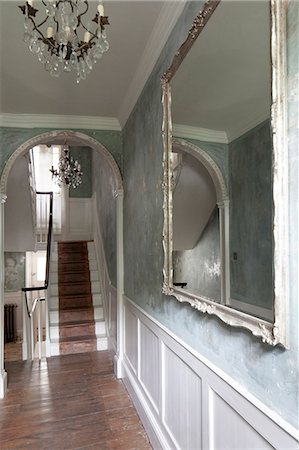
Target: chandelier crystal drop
[67,38]
[69,172]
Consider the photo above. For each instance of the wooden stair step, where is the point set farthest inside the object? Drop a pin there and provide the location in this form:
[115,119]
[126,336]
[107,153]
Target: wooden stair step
[76,329]
[74,288]
[73,267]
[74,246]
[67,278]
[80,344]
[72,257]
[73,323]
[67,301]
[76,313]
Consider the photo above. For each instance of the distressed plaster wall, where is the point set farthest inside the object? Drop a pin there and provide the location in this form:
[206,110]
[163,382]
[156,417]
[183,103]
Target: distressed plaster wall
[250,195]
[104,188]
[83,156]
[200,266]
[271,374]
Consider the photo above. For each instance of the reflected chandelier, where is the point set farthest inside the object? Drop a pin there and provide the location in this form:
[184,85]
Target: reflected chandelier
[69,172]
[67,38]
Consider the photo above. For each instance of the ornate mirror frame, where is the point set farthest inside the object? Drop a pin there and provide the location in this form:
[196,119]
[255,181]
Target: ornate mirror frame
[271,333]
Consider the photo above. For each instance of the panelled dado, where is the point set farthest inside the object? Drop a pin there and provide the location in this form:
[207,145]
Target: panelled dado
[185,401]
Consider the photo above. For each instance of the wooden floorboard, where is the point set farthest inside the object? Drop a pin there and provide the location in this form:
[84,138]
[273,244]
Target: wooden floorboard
[68,402]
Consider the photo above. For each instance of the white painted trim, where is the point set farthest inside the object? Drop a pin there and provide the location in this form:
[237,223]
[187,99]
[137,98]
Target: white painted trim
[267,423]
[215,136]
[120,284]
[59,121]
[199,134]
[3,374]
[105,282]
[167,19]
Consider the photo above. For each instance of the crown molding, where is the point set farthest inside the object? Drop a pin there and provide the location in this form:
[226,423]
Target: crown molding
[168,17]
[218,137]
[59,121]
[199,134]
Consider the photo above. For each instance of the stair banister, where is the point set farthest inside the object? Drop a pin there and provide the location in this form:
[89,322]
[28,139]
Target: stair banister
[29,313]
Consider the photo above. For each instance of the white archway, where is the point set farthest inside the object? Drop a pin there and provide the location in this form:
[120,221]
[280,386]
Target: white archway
[77,138]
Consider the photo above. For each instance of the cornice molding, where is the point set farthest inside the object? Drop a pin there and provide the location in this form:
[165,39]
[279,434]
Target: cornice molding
[219,137]
[168,17]
[199,134]
[59,121]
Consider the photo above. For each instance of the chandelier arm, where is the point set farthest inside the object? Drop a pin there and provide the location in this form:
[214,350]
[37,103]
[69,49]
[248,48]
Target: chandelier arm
[44,21]
[83,13]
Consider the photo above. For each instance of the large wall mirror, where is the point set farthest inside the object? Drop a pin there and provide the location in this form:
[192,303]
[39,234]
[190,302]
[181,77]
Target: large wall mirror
[225,167]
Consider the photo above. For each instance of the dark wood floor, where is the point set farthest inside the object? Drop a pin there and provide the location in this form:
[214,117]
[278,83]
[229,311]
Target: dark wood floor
[68,402]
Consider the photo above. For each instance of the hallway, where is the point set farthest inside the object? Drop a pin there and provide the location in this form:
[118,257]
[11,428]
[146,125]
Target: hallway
[70,402]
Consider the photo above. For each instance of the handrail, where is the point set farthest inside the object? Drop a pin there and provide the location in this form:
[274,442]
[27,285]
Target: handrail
[48,253]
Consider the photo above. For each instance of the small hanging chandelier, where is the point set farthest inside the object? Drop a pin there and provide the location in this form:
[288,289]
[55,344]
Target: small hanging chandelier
[69,172]
[67,38]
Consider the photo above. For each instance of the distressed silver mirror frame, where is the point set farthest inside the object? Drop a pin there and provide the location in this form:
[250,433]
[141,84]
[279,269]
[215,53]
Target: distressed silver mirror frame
[271,333]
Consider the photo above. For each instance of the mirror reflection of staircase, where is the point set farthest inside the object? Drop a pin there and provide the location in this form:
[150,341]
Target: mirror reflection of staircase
[76,311]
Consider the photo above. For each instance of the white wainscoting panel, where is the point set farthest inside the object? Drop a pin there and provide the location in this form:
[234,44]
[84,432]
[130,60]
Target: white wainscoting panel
[149,363]
[131,338]
[230,431]
[181,386]
[187,403]
[112,321]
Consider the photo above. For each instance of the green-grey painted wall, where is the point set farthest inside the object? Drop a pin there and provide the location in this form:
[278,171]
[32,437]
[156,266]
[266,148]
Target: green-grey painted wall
[83,156]
[104,188]
[250,194]
[271,374]
[218,152]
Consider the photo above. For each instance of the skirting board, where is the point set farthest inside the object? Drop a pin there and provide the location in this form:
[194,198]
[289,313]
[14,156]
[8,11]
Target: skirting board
[184,404]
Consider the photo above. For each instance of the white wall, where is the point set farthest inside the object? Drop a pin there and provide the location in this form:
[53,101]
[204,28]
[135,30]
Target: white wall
[187,403]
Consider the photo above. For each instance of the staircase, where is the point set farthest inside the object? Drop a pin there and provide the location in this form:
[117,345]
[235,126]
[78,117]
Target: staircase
[76,312]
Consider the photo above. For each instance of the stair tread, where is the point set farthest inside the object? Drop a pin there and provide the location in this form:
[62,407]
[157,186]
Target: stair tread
[72,323]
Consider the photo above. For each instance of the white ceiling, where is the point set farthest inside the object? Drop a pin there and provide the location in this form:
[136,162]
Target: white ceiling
[26,88]
[224,84]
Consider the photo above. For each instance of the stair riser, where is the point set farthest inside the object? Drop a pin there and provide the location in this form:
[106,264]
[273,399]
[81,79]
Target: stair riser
[67,348]
[68,316]
[69,302]
[70,267]
[78,330]
[74,277]
[72,257]
[69,247]
[74,289]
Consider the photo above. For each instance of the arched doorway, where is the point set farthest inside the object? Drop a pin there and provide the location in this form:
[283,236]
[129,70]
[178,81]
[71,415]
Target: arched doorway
[75,138]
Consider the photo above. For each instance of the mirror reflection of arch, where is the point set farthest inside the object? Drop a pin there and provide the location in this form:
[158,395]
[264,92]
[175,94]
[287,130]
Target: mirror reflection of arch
[200,224]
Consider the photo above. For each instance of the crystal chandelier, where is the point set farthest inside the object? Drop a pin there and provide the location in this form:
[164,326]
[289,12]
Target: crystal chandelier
[69,172]
[67,38]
